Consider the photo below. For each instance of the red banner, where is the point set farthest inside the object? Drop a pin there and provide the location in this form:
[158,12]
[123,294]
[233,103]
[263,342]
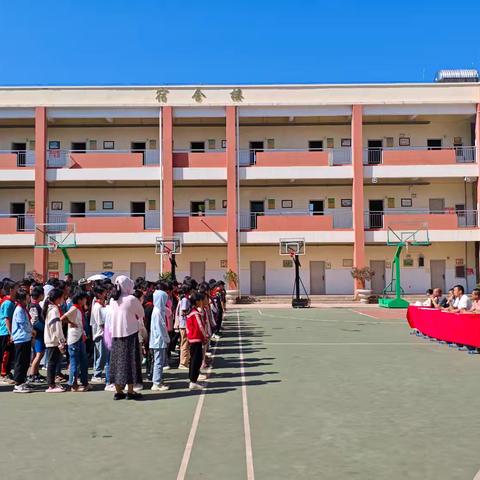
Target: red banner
[463,328]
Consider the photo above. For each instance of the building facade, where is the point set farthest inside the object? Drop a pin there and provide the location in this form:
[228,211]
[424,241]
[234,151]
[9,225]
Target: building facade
[231,170]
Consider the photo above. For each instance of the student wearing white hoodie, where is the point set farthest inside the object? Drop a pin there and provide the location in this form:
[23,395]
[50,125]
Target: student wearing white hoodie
[159,337]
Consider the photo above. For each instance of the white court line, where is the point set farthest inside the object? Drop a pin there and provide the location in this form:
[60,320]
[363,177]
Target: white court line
[364,314]
[246,418]
[348,343]
[193,430]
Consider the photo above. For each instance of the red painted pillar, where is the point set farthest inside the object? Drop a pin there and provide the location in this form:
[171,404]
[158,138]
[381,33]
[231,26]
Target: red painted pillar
[232,245]
[357,191]
[477,159]
[41,193]
[167,177]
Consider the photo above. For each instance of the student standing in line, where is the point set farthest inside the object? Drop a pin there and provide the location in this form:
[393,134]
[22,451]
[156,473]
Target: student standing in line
[6,313]
[54,338]
[183,309]
[76,343]
[38,324]
[196,337]
[22,340]
[97,322]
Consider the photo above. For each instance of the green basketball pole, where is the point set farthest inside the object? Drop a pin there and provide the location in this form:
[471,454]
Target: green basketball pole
[398,301]
[67,262]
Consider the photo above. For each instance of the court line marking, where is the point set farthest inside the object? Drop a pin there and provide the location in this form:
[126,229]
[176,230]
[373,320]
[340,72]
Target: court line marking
[246,417]
[196,420]
[348,343]
[477,476]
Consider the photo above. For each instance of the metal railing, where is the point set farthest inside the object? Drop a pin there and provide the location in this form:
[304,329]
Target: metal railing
[341,219]
[336,156]
[374,155]
[25,221]
[151,217]
[374,220]
[199,150]
[25,158]
[206,213]
[61,158]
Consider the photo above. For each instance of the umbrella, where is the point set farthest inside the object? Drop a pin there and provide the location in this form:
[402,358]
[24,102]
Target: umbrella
[98,276]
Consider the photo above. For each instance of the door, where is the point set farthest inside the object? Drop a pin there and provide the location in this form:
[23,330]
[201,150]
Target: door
[77,209]
[198,147]
[17,271]
[137,209]
[317,278]
[434,144]
[139,147]
[197,271]
[377,283]
[257,278]
[375,152]
[79,147]
[315,145]
[78,271]
[21,150]
[256,208]
[375,213]
[197,209]
[436,205]
[17,210]
[437,274]
[315,207]
[138,269]
[254,148]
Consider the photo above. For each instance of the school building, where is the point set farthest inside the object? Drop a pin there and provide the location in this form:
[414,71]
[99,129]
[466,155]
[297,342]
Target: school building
[230,170]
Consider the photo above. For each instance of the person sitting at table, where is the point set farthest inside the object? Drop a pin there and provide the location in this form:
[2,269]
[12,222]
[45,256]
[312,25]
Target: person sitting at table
[450,299]
[438,300]
[429,301]
[461,303]
[475,300]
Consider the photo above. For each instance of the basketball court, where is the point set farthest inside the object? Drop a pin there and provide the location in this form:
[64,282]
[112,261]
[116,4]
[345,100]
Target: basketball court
[308,393]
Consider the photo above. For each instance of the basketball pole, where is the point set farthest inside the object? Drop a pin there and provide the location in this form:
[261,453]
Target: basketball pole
[297,277]
[67,261]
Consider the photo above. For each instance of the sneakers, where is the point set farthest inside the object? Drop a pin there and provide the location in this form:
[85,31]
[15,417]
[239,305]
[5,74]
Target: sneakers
[196,386]
[36,379]
[55,389]
[119,396]
[138,387]
[96,380]
[23,388]
[60,379]
[110,388]
[208,354]
[167,367]
[215,337]
[6,381]
[202,376]
[159,387]
[134,396]
[183,367]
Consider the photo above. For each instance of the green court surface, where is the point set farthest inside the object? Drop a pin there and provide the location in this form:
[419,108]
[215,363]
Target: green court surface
[294,394]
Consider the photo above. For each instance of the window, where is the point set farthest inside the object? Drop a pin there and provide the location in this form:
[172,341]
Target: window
[107,205]
[346,142]
[197,208]
[108,144]
[212,144]
[197,147]
[421,261]
[315,145]
[460,271]
[287,203]
[434,143]
[346,202]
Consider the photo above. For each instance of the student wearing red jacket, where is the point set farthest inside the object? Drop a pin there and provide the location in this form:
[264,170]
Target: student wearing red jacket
[196,336]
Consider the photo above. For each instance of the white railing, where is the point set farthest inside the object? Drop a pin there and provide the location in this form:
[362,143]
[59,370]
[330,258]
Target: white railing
[61,158]
[341,219]
[374,220]
[151,217]
[199,150]
[207,213]
[25,158]
[374,155]
[25,221]
[336,156]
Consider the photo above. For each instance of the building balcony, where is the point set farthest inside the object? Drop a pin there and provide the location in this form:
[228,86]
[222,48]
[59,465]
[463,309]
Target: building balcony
[11,223]
[16,159]
[295,157]
[408,156]
[73,159]
[193,159]
[183,223]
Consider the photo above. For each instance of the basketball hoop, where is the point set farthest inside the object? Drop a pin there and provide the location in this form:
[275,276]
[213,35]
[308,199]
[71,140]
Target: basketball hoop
[52,247]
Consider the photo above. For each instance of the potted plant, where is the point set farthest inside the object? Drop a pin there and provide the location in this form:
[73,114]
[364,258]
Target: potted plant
[231,279]
[362,275]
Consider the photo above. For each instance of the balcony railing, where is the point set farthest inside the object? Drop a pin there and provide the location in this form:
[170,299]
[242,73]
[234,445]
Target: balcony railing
[418,155]
[335,156]
[436,219]
[65,158]
[110,221]
[11,223]
[17,158]
[297,220]
[200,158]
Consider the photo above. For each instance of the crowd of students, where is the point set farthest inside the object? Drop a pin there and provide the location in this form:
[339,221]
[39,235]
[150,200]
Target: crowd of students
[127,331]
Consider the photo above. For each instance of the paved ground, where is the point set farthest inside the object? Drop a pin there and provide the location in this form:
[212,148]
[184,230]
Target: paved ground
[318,394]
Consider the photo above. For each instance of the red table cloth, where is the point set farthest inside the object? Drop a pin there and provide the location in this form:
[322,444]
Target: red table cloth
[463,328]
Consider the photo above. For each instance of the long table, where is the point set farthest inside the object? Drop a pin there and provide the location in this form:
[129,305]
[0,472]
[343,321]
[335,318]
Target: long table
[463,328]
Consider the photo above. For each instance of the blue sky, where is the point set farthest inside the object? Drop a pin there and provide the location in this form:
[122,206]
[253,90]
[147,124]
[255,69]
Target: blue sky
[105,42]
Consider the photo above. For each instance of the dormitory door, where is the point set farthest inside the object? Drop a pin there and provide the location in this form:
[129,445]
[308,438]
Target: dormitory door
[317,278]
[378,280]
[257,278]
[437,274]
[17,271]
[138,269]
[78,271]
[197,271]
